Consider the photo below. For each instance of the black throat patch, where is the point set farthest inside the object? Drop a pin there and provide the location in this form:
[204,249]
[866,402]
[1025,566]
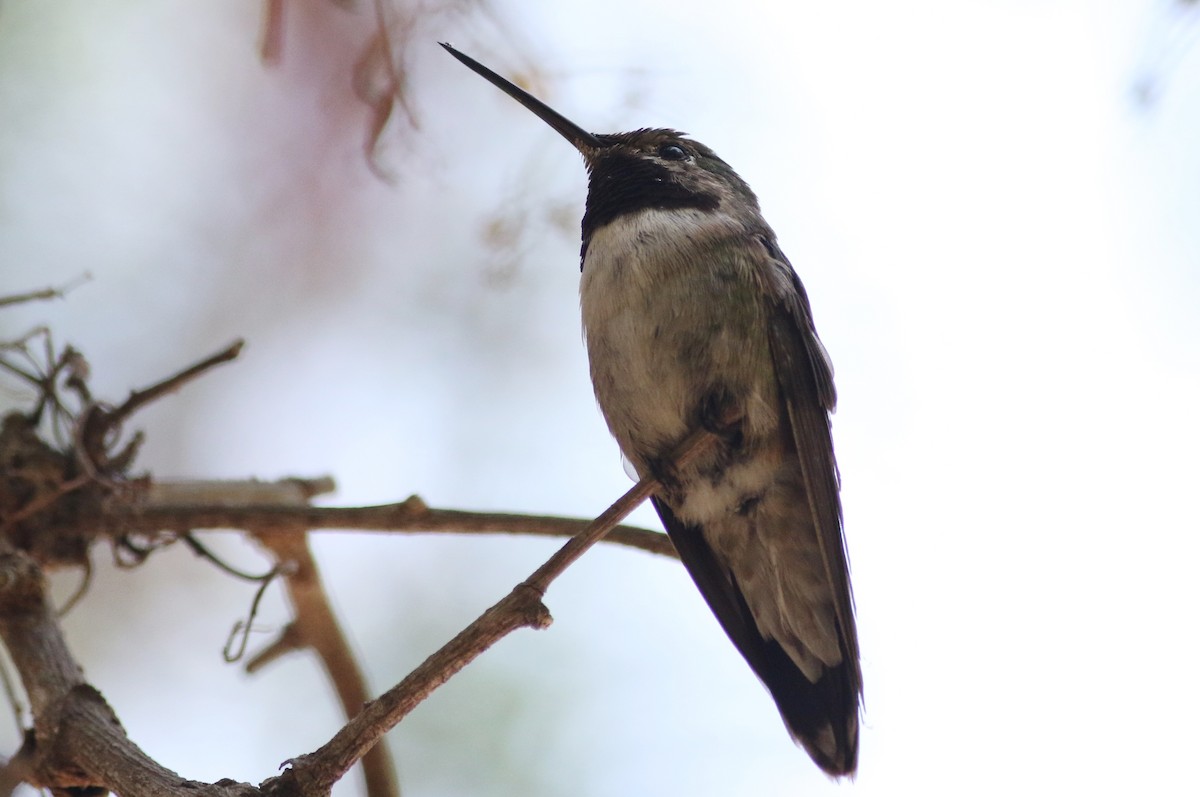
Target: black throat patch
[622,183]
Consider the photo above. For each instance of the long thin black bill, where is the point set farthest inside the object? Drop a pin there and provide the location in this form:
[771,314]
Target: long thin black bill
[581,139]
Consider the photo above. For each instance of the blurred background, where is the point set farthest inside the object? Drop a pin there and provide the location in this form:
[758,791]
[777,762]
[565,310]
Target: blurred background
[995,208]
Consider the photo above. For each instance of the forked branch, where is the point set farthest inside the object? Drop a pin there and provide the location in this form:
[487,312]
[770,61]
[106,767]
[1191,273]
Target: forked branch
[316,772]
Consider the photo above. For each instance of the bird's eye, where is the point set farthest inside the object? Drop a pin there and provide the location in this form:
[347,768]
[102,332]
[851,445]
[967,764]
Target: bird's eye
[672,152]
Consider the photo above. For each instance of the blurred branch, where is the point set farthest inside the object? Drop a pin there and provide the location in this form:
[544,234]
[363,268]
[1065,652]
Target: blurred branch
[159,508]
[110,419]
[270,43]
[315,626]
[44,294]
[380,78]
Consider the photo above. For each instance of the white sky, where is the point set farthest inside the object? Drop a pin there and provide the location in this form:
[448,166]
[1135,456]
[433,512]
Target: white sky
[1000,246]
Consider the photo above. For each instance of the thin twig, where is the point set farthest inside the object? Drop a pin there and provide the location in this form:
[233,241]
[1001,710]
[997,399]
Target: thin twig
[692,447]
[139,398]
[44,294]
[409,516]
[200,550]
[241,629]
[42,502]
[84,584]
[289,640]
[270,46]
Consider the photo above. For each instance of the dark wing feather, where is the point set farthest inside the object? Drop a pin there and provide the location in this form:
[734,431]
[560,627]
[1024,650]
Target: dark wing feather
[803,369]
[809,709]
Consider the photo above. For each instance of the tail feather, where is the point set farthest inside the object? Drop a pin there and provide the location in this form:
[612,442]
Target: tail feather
[822,716]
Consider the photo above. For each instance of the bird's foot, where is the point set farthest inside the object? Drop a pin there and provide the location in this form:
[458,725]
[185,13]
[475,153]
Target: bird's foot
[721,415]
[665,472]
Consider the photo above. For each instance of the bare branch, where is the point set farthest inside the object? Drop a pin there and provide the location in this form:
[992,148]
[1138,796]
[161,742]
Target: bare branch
[270,45]
[139,398]
[77,741]
[149,513]
[44,294]
[239,636]
[316,627]
[316,772]
[292,491]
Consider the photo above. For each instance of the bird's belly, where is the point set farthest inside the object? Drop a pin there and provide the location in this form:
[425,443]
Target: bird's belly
[669,333]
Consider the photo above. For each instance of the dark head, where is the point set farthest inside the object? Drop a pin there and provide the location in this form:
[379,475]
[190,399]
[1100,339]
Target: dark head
[630,172]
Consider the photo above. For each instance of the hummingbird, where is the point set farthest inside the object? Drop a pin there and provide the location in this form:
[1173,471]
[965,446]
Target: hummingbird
[694,319]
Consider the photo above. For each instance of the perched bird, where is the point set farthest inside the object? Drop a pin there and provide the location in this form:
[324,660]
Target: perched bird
[694,319]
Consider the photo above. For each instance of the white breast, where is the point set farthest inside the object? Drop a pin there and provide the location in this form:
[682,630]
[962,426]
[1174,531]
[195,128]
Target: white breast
[635,276]
[665,316]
